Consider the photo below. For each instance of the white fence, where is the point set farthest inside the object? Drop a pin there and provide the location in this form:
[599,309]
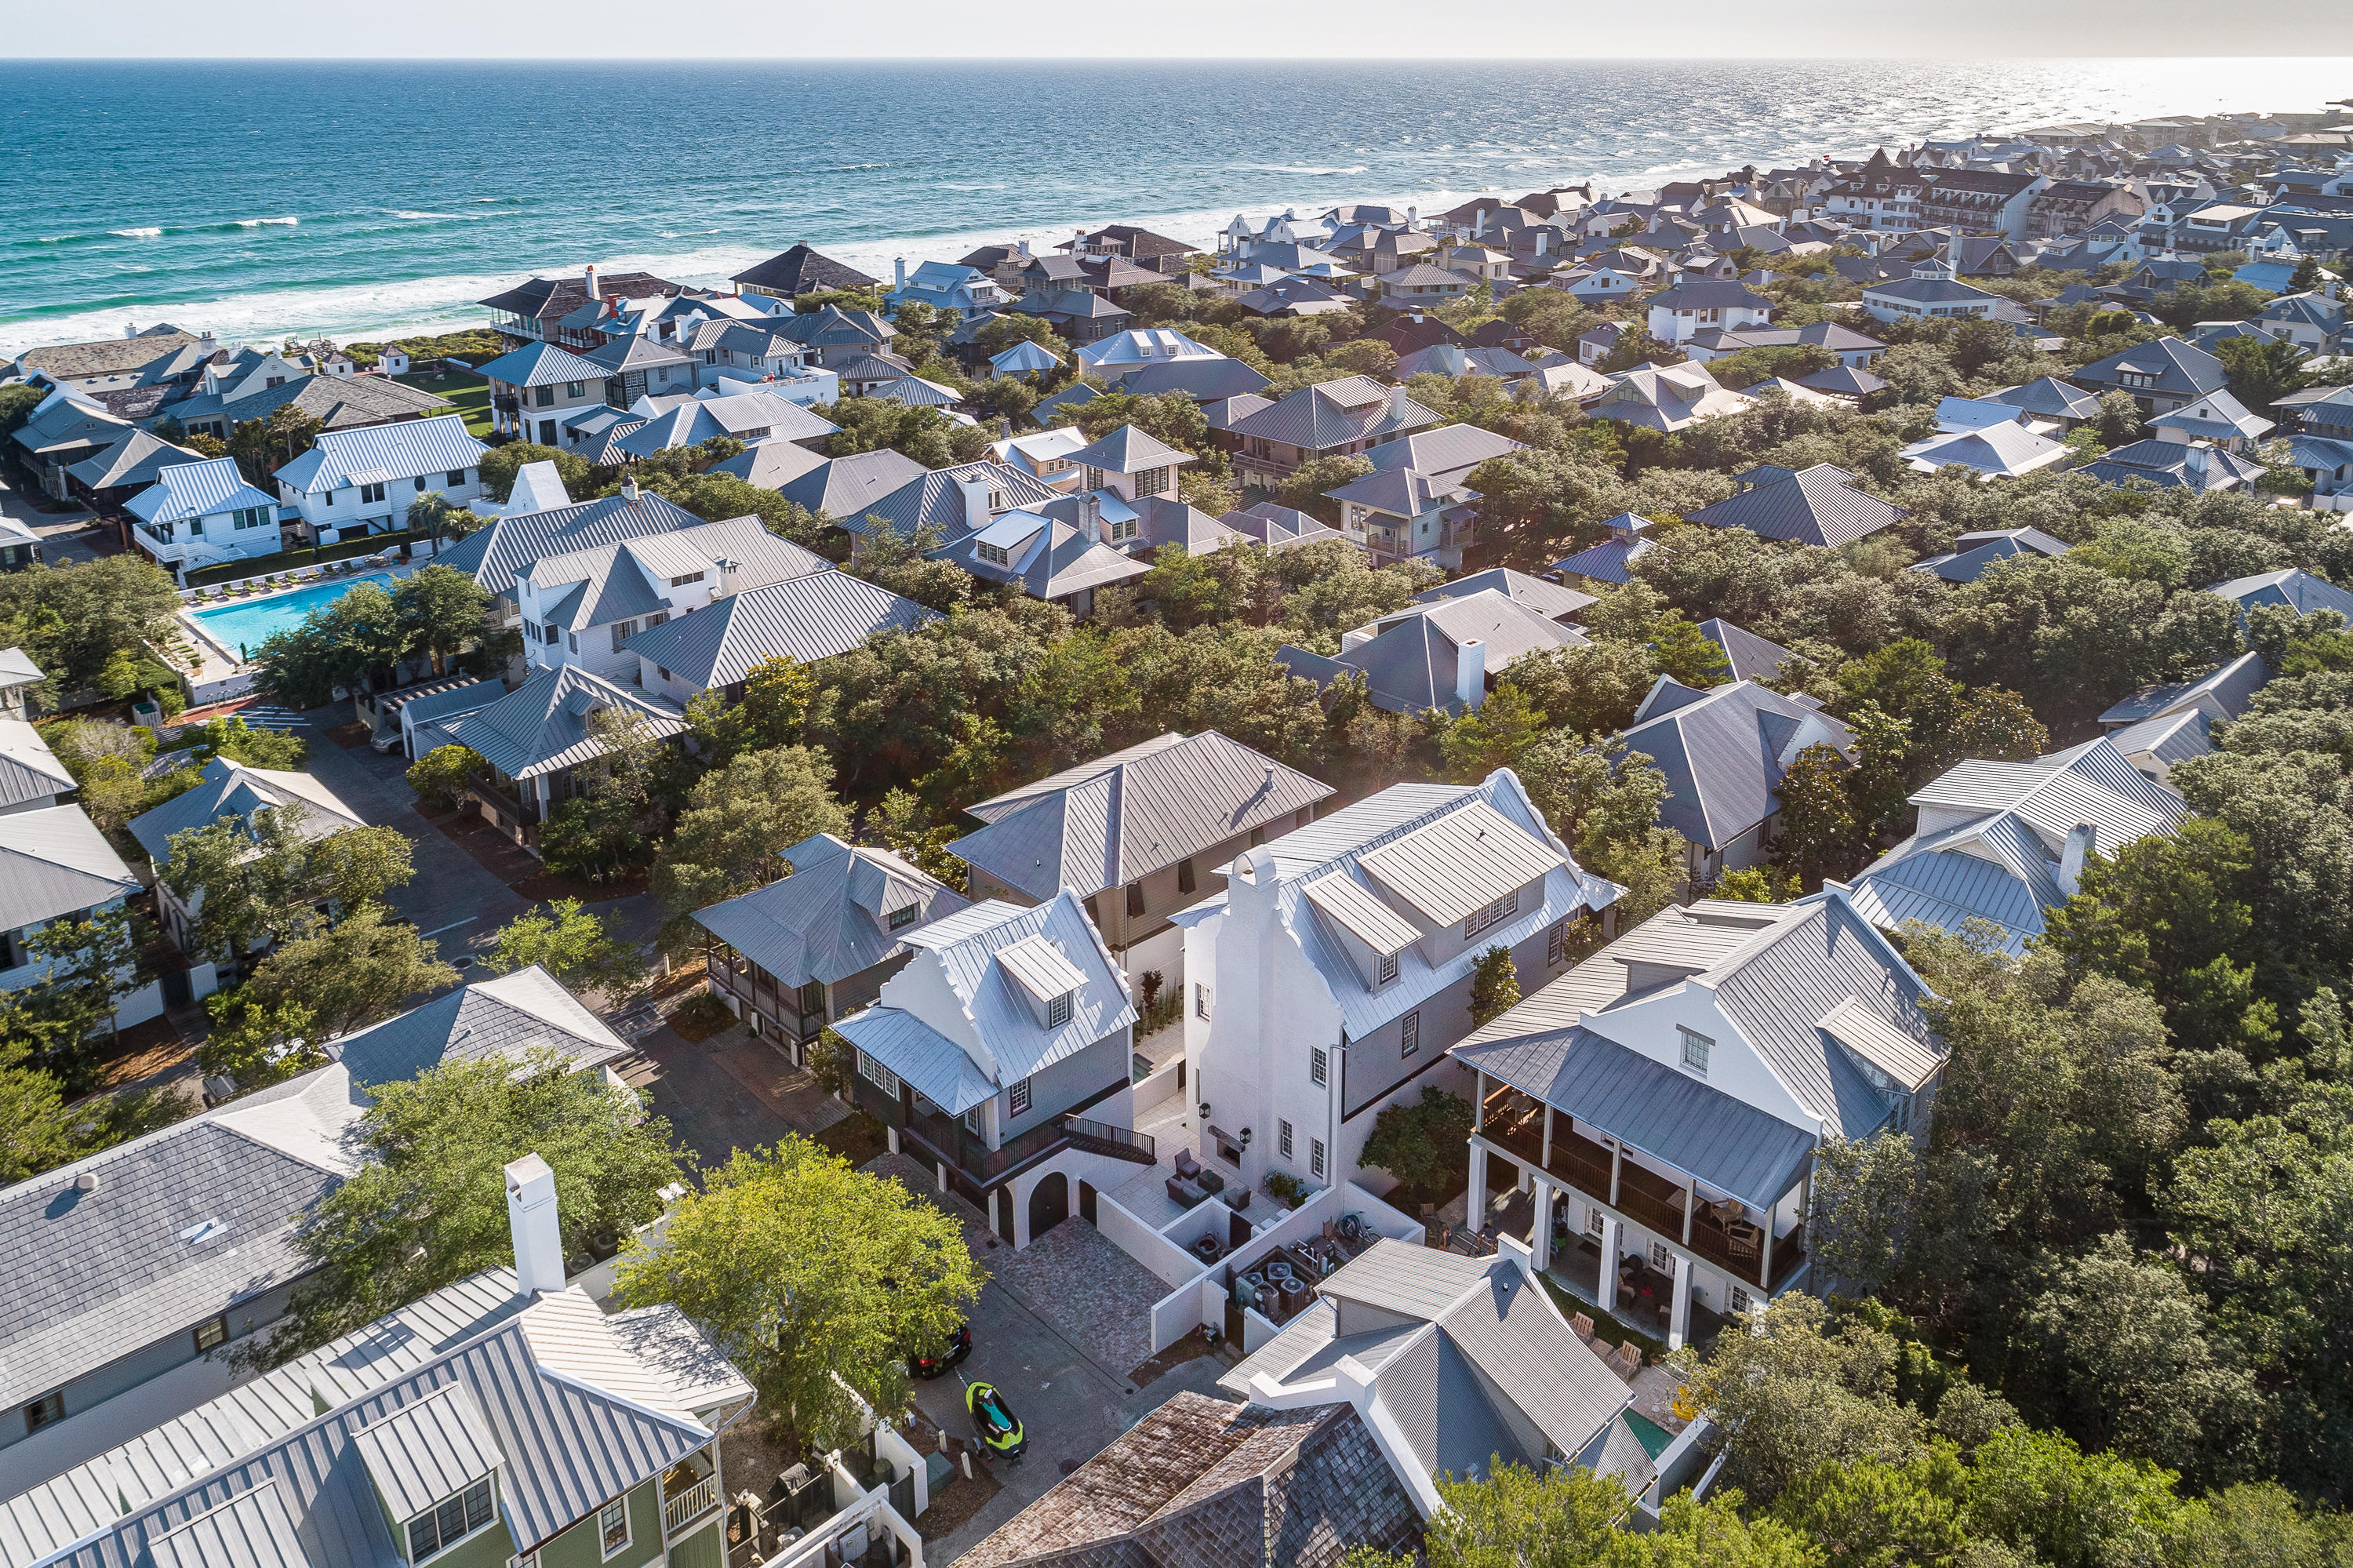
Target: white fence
[1160,1088]
[1201,1299]
[1166,1258]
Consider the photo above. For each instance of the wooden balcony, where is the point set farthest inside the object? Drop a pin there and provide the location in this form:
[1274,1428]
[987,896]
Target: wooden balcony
[682,1508]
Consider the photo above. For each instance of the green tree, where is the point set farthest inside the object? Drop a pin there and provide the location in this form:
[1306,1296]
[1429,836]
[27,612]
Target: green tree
[1686,653]
[1820,834]
[1873,1514]
[73,620]
[360,634]
[261,880]
[605,826]
[810,1276]
[230,737]
[777,691]
[427,1205]
[739,820]
[905,827]
[441,610]
[255,1044]
[1424,1142]
[2262,370]
[362,968]
[437,517]
[441,774]
[1306,488]
[85,966]
[1565,1516]
[1496,734]
[1494,985]
[583,951]
[2039,1492]
[1864,1190]
[263,446]
[499,465]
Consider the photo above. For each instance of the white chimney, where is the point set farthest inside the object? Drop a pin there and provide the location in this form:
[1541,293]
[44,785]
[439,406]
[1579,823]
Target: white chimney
[1471,674]
[2071,859]
[975,501]
[899,267]
[726,584]
[2197,460]
[1021,248]
[590,278]
[628,490]
[531,1216]
[1413,218]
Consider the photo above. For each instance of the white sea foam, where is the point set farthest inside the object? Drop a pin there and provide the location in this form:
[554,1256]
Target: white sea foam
[127,233]
[404,212]
[1297,169]
[267,222]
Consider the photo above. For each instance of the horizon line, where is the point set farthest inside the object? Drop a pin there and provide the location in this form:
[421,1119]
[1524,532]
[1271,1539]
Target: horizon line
[966,58]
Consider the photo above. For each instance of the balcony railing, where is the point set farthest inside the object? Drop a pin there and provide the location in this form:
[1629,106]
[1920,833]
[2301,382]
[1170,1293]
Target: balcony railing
[681,1508]
[512,808]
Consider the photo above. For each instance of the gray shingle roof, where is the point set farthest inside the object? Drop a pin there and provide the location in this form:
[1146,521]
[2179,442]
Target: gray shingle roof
[1111,822]
[802,271]
[1818,506]
[828,919]
[506,1017]
[1548,599]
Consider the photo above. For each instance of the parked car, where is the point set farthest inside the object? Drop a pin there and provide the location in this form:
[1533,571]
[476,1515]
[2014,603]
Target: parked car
[958,1347]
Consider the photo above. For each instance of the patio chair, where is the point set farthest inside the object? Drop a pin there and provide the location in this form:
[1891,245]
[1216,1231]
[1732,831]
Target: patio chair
[1627,1360]
[1742,1239]
[1582,1327]
[1187,1165]
[1184,1194]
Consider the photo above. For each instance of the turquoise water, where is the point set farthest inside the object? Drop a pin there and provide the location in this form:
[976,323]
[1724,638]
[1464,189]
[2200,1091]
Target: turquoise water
[244,627]
[392,193]
[1654,1437]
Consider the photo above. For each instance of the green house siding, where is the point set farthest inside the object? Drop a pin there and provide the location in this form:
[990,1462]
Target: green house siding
[703,1548]
[492,1548]
[579,1548]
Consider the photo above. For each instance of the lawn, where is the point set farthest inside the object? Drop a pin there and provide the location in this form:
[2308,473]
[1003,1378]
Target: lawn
[468,393]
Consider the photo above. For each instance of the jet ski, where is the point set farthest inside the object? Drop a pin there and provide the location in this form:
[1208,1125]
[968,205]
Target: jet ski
[1000,1429]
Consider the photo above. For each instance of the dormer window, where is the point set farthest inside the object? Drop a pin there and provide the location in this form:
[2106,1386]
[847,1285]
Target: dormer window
[1058,1011]
[1695,1050]
[449,1521]
[1494,914]
[901,917]
[1388,970]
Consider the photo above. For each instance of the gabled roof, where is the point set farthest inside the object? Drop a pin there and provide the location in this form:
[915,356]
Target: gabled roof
[1114,820]
[2179,368]
[29,770]
[1843,381]
[1993,835]
[845,487]
[497,553]
[2293,587]
[138,457]
[935,496]
[543,364]
[1750,656]
[1723,752]
[1203,380]
[631,577]
[228,789]
[1992,451]
[806,618]
[1279,527]
[381,453]
[1129,450]
[205,487]
[1337,844]
[2217,415]
[54,862]
[2224,693]
[542,726]
[771,465]
[505,1018]
[829,916]
[1010,1042]
[1818,506]
[1973,553]
[1548,599]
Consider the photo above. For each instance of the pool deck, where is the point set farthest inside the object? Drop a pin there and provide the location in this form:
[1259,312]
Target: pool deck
[220,675]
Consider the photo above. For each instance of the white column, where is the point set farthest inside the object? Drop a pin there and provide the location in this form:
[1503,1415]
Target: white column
[1540,1234]
[1474,1204]
[1606,1286]
[1679,1318]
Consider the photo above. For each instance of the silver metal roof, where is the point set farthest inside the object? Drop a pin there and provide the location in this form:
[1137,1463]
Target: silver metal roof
[1364,916]
[1462,862]
[542,726]
[1905,1058]
[54,862]
[806,618]
[1039,968]
[828,919]
[427,1451]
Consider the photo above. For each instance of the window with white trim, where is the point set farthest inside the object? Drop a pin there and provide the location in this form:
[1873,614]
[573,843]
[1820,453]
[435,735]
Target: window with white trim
[881,1076]
[1058,1011]
[1319,1067]
[689,577]
[1388,970]
[371,493]
[1201,999]
[451,1520]
[1283,1137]
[1661,1258]
[1557,942]
[1594,1220]
[1695,1050]
[613,1526]
[1410,1034]
[1315,1156]
[1019,1096]
[1741,1300]
[1494,914]
[1152,481]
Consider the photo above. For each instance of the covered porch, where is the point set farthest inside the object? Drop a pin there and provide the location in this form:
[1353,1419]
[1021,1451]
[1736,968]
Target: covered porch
[1647,1241]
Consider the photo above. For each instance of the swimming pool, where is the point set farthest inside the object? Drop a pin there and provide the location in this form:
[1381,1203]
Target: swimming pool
[239,629]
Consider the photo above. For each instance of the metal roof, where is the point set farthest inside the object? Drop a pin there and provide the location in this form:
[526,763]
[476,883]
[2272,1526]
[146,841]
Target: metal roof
[2293,587]
[1721,751]
[934,1065]
[1749,656]
[966,945]
[1905,1058]
[1111,822]
[1549,599]
[253,1531]
[542,365]
[507,547]
[1129,450]
[828,919]
[542,726]
[806,618]
[2224,692]
[1039,968]
[411,446]
[1361,914]
[1457,865]
[29,770]
[54,862]
[1334,413]
[427,1451]
[227,788]
[202,489]
[1817,505]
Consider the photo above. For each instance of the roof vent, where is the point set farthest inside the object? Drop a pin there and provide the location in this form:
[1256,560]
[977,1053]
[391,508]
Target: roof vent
[86,1182]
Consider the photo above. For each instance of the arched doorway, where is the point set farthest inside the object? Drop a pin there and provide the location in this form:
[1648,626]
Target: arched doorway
[1049,1203]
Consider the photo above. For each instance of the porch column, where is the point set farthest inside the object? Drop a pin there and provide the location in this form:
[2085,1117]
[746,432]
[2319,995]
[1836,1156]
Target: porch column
[1679,1316]
[1617,1160]
[1605,1288]
[1765,1252]
[1540,1233]
[1548,1138]
[1474,1200]
[1690,1206]
[941,1166]
[1478,1105]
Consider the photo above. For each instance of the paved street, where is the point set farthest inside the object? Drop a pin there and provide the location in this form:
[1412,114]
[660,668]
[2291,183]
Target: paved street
[65,535]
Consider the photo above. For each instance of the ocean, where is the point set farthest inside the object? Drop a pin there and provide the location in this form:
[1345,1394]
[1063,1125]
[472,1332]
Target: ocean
[355,199]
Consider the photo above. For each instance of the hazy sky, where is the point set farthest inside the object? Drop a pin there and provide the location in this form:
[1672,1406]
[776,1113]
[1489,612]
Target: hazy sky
[1200,29]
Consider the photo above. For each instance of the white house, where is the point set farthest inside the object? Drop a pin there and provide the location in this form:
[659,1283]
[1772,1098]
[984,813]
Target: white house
[203,514]
[1931,290]
[534,388]
[1000,1055]
[357,482]
[581,608]
[1702,304]
[56,865]
[1662,1103]
[1334,972]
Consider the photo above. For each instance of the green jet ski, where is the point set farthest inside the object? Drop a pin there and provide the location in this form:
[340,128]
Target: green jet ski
[1000,1428]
